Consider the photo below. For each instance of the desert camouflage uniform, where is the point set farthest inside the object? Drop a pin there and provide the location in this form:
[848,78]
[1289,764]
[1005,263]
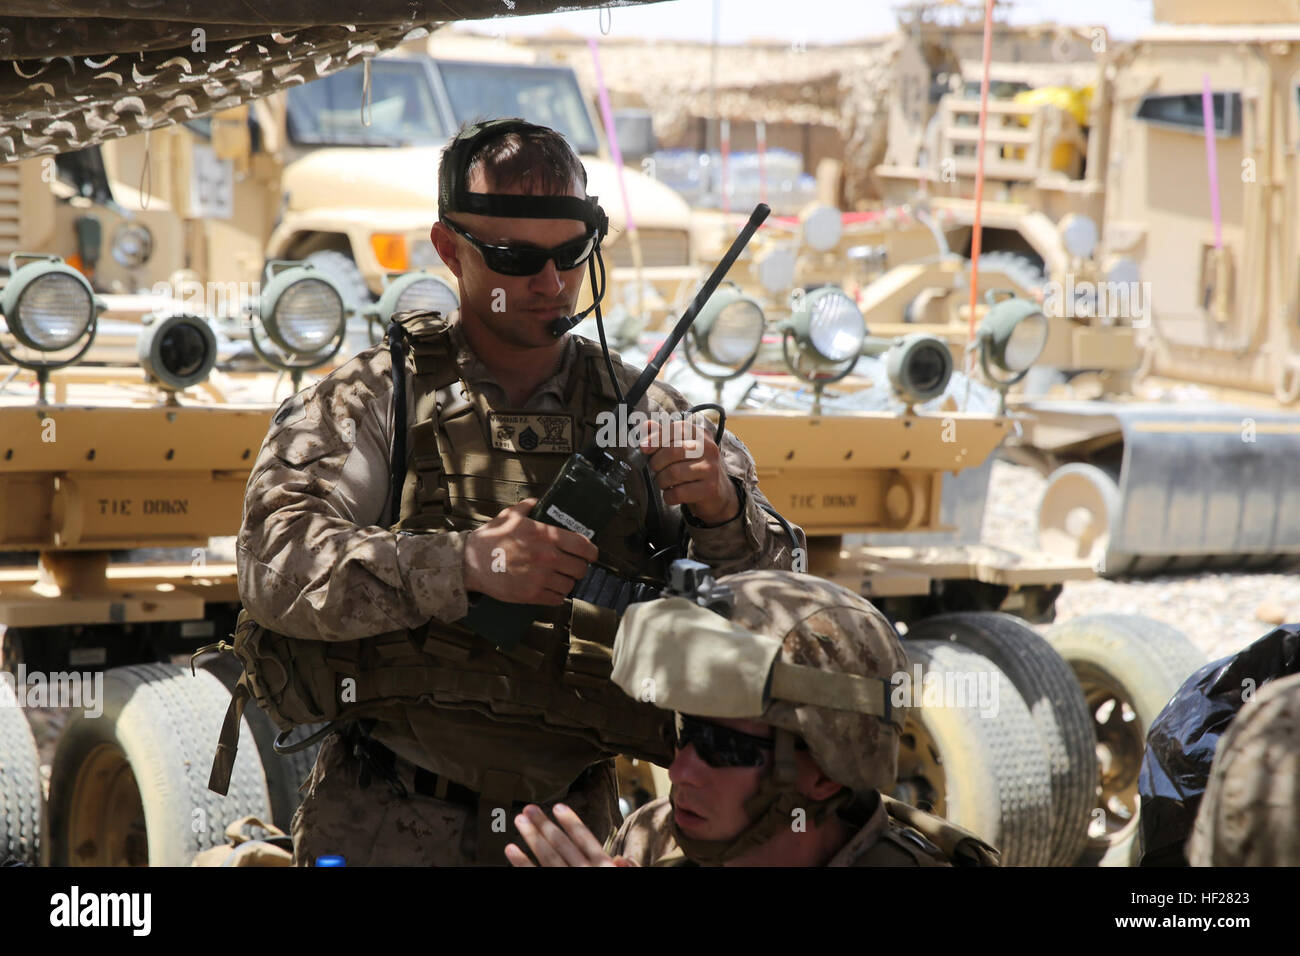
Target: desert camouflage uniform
[1250,814]
[646,839]
[821,626]
[316,560]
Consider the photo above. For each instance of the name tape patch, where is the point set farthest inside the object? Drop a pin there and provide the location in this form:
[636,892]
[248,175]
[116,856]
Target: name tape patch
[537,433]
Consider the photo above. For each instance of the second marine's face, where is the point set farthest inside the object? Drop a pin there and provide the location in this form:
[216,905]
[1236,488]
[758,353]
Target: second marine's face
[709,802]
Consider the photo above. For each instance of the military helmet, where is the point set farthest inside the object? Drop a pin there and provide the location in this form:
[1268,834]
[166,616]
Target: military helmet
[795,651]
[825,626]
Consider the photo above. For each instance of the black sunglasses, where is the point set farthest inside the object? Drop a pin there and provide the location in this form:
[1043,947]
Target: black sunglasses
[720,746]
[525,260]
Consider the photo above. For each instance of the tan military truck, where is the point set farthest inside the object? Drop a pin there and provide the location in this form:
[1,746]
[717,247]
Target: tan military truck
[340,172]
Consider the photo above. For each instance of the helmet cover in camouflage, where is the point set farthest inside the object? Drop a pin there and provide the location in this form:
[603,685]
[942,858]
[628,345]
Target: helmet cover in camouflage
[1248,815]
[825,626]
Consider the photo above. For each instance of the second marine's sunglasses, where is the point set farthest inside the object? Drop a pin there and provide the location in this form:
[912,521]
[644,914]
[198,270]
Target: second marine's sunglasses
[720,746]
[527,260]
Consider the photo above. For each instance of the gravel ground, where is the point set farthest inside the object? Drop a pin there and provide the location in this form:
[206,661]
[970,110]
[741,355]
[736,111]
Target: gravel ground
[1217,611]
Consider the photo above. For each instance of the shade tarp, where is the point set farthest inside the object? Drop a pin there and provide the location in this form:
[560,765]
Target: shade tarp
[77,72]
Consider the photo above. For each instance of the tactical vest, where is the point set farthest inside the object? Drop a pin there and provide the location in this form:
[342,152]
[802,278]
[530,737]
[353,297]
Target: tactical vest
[467,462]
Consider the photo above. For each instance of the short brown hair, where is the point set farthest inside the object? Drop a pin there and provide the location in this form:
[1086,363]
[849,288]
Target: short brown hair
[540,160]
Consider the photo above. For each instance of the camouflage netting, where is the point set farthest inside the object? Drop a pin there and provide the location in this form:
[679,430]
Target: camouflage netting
[76,72]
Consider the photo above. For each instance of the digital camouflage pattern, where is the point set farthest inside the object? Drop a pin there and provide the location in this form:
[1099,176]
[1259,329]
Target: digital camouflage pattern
[317,561]
[314,554]
[828,627]
[1249,815]
[375,827]
[646,838]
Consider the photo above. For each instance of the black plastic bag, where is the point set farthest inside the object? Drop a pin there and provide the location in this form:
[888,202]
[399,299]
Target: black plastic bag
[1181,741]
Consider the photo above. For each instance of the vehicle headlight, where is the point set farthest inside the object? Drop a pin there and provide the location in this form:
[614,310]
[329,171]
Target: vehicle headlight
[829,321]
[132,244]
[416,290]
[775,268]
[302,309]
[178,351]
[1079,235]
[919,367]
[729,329]
[822,227]
[47,305]
[1012,335]
[308,315]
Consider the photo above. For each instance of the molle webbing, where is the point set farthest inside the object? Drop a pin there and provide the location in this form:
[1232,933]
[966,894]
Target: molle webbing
[557,678]
[456,480]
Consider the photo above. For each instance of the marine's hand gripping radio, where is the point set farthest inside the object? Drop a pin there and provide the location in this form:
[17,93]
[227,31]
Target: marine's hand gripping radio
[590,488]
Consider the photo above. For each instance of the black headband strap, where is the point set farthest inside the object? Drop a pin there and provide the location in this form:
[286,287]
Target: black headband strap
[454,194]
[527,207]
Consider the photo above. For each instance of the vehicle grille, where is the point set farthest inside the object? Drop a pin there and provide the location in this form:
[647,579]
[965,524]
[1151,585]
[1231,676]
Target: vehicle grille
[659,247]
[9,224]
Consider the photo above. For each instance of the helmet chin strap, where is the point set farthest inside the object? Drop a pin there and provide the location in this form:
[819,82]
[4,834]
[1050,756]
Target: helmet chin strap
[769,809]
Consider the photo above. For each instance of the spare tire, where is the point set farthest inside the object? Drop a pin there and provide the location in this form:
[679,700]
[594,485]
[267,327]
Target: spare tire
[130,787]
[1129,666]
[986,772]
[1056,704]
[20,784]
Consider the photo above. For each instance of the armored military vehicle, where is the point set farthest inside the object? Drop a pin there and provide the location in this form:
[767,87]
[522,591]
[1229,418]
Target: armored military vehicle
[1143,208]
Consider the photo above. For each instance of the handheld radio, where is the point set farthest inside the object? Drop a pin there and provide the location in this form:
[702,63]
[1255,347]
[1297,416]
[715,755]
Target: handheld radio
[590,488]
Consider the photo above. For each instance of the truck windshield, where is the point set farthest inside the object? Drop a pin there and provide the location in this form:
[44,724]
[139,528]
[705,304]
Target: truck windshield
[540,94]
[402,112]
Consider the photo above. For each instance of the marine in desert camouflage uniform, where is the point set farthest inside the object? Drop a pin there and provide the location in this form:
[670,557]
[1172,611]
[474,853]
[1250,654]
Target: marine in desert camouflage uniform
[1250,814]
[319,560]
[732,803]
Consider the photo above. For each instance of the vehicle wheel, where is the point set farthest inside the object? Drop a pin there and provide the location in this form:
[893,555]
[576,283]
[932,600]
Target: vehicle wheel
[20,784]
[1079,508]
[988,774]
[1019,268]
[1056,703]
[1129,667]
[284,773]
[343,270]
[130,787]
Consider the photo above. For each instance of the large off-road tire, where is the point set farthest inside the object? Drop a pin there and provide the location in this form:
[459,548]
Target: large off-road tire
[986,772]
[1056,704]
[130,787]
[20,784]
[342,268]
[1020,268]
[1129,666]
[284,773]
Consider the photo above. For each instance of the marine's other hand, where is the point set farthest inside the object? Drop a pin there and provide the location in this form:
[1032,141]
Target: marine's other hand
[574,845]
[688,468]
